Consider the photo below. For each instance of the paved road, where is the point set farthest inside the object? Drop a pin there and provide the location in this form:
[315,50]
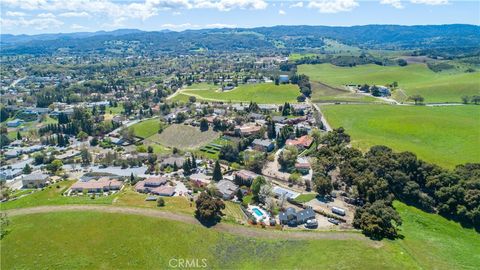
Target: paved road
[323,119]
[221,227]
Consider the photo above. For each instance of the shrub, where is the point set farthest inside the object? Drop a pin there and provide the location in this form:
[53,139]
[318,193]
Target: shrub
[160,202]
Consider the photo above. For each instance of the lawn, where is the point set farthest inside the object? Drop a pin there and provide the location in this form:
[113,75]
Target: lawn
[412,79]
[447,135]
[233,212]
[52,195]
[146,128]
[264,93]
[303,198]
[183,137]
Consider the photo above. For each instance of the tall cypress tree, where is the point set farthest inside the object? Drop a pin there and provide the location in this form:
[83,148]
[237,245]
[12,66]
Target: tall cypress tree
[217,172]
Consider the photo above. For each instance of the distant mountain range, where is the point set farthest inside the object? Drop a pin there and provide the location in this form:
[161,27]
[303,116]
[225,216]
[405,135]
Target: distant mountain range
[459,37]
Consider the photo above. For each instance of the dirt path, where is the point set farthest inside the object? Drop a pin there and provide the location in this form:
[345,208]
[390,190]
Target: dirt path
[221,227]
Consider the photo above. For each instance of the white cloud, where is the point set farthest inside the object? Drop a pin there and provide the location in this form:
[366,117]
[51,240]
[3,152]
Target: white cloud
[36,23]
[226,5]
[46,15]
[281,12]
[220,25]
[297,5]
[333,6]
[430,2]
[15,14]
[78,27]
[394,3]
[74,14]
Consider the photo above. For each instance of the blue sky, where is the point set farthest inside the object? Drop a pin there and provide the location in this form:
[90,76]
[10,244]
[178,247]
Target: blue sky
[53,16]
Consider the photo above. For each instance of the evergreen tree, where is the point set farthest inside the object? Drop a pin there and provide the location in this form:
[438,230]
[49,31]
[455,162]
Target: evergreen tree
[217,172]
[19,136]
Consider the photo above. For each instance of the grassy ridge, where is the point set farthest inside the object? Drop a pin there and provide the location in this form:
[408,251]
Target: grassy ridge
[265,93]
[412,79]
[437,241]
[79,240]
[447,136]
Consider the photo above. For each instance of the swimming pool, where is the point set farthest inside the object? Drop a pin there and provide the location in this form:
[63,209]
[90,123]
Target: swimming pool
[257,212]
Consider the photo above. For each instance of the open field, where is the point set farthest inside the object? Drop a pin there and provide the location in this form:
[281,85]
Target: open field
[324,93]
[412,79]
[183,137]
[118,240]
[447,135]
[52,195]
[265,93]
[128,197]
[146,128]
[436,241]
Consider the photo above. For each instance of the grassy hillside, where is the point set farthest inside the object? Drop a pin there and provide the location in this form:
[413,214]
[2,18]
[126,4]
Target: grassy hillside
[79,240]
[183,137]
[146,128]
[412,79]
[444,135]
[436,241]
[266,93]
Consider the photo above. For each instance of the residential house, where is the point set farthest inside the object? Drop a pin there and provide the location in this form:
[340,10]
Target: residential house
[14,123]
[302,165]
[245,175]
[103,184]
[155,185]
[227,189]
[247,130]
[265,145]
[303,142]
[35,180]
[293,218]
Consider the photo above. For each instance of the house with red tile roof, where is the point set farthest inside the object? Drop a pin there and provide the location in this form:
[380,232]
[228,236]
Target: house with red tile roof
[303,142]
[103,184]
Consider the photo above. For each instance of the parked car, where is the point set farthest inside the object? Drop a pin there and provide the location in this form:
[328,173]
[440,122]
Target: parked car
[334,221]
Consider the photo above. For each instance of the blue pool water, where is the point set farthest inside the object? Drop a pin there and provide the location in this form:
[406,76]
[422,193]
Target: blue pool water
[257,212]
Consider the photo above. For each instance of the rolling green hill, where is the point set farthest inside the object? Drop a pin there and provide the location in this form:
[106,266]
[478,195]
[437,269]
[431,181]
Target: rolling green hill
[95,240]
[447,135]
[264,93]
[412,79]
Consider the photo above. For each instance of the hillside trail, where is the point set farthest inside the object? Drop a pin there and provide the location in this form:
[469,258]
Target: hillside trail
[220,227]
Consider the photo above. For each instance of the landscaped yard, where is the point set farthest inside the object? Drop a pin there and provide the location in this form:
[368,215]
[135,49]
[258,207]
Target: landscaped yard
[447,135]
[52,195]
[146,128]
[120,241]
[264,93]
[183,137]
[412,79]
[303,198]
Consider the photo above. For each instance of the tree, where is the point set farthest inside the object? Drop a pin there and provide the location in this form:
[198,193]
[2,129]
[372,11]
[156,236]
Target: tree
[39,158]
[209,208]
[316,135]
[86,156]
[128,134]
[19,136]
[27,169]
[82,136]
[254,161]
[217,172]
[203,125]
[240,195]
[192,99]
[377,220]
[160,202]
[228,153]
[402,62]
[4,222]
[150,149]
[416,98]
[288,158]
[258,182]
[55,166]
[323,185]
[475,99]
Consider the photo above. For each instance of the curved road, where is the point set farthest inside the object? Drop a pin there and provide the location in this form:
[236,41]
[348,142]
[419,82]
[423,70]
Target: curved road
[221,227]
